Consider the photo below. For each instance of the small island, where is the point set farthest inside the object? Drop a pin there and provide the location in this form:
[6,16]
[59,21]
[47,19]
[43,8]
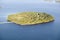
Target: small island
[28,18]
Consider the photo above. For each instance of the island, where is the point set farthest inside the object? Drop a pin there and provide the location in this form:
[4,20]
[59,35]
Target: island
[28,18]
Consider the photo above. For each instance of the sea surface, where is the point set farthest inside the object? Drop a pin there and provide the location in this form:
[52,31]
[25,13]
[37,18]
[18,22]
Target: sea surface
[46,31]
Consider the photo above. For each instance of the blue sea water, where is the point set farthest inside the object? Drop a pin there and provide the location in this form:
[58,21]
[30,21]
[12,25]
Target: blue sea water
[48,31]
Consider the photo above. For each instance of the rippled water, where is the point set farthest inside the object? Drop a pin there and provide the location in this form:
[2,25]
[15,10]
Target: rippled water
[48,31]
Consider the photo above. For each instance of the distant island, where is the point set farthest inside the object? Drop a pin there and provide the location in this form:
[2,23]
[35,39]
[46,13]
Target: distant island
[56,1]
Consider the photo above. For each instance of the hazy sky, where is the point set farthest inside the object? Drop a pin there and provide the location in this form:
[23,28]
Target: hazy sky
[21,1]
[24,1]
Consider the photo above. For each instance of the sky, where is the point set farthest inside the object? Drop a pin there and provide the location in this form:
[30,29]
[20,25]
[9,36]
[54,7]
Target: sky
[21,1]
[8,1]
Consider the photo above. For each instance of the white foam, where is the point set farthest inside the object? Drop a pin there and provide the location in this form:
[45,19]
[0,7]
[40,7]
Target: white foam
[4,22]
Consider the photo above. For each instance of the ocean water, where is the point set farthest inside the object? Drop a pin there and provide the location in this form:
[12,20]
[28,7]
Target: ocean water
[47,31]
